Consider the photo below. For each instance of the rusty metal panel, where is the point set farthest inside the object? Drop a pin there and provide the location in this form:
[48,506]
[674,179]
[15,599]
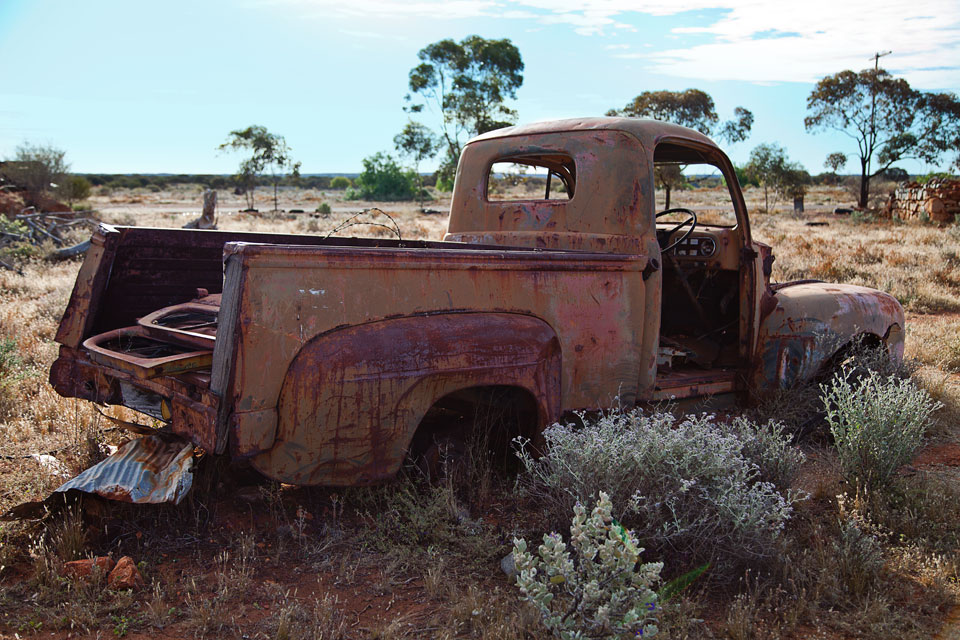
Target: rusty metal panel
[595,302]
[146,470]
[610,211]
[352,399]
[191,323]
[147,268]
[194,407]
[132,350]
[195,421]
[813,320]
[88,289]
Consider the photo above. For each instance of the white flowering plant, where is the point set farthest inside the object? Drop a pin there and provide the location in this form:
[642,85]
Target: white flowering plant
[691,487]
[601,589]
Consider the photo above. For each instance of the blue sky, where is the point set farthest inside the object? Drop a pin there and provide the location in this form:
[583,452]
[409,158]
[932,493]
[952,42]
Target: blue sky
[127,86]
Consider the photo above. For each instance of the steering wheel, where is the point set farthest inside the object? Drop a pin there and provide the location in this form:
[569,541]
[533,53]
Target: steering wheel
[690,220]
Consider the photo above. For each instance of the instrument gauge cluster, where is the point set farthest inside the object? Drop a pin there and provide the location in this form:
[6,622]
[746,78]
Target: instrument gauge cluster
[697,247]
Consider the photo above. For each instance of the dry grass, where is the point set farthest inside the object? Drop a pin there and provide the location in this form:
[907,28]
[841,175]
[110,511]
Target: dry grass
[915,263]
[404,561]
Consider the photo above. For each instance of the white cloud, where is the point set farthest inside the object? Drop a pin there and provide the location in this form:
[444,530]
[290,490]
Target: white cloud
[753,40]
[808,40]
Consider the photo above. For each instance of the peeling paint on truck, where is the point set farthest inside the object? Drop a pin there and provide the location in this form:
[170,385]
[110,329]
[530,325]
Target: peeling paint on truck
[319,359]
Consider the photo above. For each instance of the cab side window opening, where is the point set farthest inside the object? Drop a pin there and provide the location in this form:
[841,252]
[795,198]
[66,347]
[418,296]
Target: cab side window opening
[685,178]
[549,177]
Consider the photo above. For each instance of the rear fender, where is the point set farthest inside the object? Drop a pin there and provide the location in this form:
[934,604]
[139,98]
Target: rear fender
[812,322]
[352,399]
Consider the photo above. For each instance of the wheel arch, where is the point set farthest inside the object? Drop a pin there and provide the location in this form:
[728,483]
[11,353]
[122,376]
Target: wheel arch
[353,399]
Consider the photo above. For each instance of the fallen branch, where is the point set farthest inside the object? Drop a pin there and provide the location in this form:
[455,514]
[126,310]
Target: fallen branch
[11,267]
[70,252]
[33,225]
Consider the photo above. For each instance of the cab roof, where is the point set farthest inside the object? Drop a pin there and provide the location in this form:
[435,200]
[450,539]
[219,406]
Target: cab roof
[648,132]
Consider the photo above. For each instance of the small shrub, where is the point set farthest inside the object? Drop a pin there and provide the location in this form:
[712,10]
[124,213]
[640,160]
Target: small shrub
[406,514]
[10,360]
[768,446]
[321,620]
[862,217]
[383,179]
[340,182]
[857,551]
[68,539]
[877,423]
[324,209]
[689,487]
[602,591]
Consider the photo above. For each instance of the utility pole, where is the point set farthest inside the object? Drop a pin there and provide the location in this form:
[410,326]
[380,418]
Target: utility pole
[873,106]
[873,91]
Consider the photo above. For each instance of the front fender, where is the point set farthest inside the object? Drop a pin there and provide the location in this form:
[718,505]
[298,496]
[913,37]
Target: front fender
[812,321]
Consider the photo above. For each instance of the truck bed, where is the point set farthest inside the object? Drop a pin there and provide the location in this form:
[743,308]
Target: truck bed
[205,327]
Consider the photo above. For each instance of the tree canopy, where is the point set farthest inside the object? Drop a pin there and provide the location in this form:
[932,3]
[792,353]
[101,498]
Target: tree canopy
[692,108]
[835,161]
[382,179]
[268,151]
[467,84]
[888,119]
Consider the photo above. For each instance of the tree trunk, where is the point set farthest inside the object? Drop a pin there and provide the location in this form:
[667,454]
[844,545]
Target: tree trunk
[416,169]
[666,189]
[864,185]
[275,207]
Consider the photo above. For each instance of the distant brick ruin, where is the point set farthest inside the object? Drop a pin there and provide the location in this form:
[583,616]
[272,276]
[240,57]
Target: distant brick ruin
[938,200]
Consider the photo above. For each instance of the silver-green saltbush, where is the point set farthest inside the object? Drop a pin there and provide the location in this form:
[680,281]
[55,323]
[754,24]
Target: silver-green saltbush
[601,590]
[691,486]
[877,423]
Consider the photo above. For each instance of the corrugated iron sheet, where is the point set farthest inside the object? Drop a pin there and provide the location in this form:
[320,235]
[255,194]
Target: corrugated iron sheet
[147,470]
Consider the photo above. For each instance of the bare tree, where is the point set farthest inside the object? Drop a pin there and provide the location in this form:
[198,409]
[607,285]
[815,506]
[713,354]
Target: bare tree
[418,143]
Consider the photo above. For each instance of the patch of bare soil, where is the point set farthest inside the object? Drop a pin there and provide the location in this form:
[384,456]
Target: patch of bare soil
[947,454]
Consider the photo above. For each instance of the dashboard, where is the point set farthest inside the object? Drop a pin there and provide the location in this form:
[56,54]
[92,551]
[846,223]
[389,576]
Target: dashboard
[696,247]
[710,247]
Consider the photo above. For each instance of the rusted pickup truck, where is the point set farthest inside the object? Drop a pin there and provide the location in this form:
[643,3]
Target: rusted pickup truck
[329,360]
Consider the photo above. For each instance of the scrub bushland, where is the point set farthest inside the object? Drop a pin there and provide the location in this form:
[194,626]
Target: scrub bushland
[241,556]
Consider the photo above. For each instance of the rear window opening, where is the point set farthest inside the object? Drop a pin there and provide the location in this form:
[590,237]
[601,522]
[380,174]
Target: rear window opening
[550,177]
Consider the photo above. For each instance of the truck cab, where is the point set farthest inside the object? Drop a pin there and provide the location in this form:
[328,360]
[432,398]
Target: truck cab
[714,323]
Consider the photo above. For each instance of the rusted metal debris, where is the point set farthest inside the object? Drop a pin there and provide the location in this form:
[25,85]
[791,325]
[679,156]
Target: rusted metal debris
[46,227]
[148,470]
